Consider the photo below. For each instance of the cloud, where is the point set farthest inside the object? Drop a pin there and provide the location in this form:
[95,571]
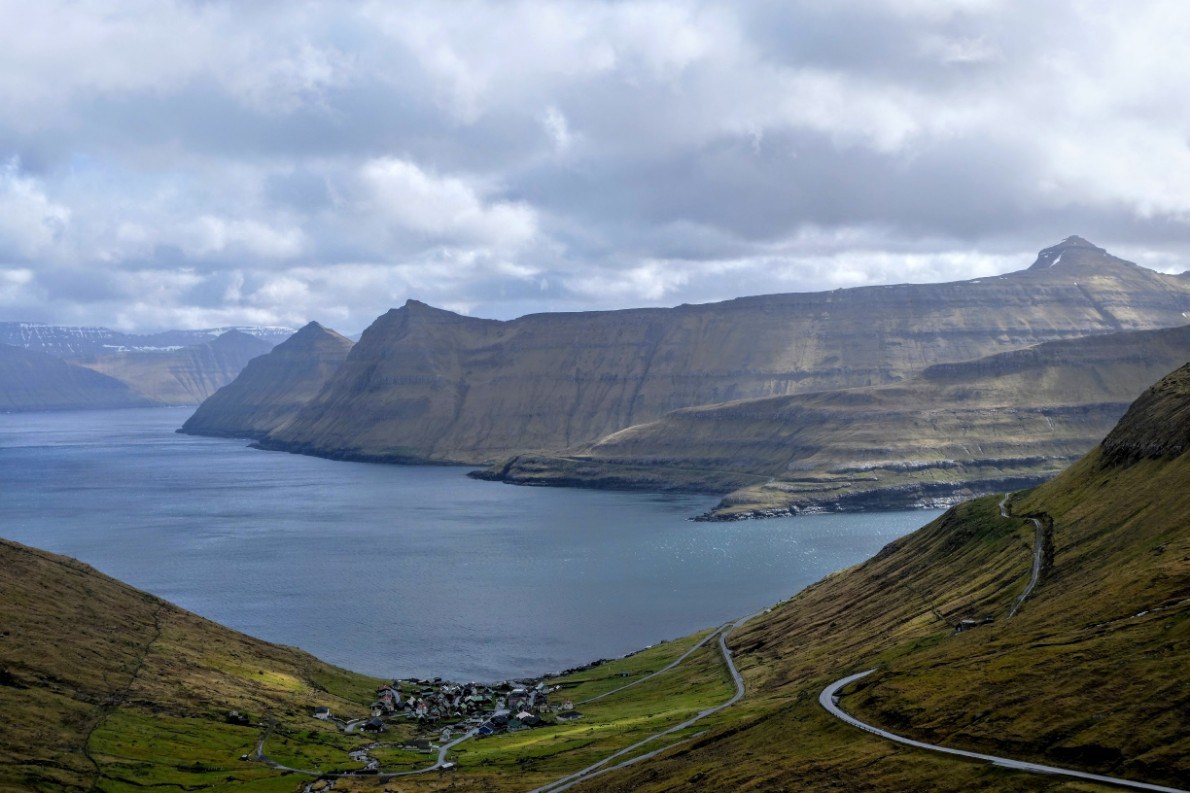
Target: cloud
[445,208]
[273,162]
[31,224]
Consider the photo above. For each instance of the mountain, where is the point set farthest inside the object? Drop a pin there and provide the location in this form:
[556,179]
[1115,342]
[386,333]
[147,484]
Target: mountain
[1089,674]
[174,367]
[106,687]
[34,381]
[273,387]
[66,340]
[424,384]
[954,431]
[184,376]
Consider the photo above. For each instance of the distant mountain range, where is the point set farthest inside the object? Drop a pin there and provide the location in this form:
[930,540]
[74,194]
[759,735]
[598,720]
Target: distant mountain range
[31,380]
[38,365]
[66,340]
[757,395]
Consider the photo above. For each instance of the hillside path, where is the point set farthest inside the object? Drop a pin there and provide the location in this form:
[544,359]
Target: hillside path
[1038,557]
[601,767]
[829,699]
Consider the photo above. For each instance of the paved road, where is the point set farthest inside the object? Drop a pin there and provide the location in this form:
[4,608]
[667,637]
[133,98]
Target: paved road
[1038,557]
[637,682]
[1038,554]
[829,699]
[602,766]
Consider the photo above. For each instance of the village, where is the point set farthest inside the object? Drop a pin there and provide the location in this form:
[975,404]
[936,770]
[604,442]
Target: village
[447,711]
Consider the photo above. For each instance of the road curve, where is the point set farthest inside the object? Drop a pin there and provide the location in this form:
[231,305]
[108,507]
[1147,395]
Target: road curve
[601,767]
[1035,576]
[1038,556]
[661,671]
[829,700]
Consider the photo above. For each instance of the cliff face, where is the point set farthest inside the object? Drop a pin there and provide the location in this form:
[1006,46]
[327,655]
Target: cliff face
[184,376]
[425,384]
[956,430]
[272,387]
[34,381]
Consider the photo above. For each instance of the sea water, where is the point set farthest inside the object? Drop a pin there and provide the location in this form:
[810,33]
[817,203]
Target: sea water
[400,570]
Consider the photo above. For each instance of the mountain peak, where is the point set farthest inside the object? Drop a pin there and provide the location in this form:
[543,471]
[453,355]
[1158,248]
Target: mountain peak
[1072,248]
[312,335]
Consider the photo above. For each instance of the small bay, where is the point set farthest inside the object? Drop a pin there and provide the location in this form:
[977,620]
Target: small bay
[400,570]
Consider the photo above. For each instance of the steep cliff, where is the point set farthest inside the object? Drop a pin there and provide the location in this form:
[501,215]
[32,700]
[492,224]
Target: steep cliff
[426,384]
[272,387]
[35,381]
[955,431]
[184,376]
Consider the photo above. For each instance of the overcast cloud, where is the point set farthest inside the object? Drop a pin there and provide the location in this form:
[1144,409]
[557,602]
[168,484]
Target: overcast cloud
[193,164]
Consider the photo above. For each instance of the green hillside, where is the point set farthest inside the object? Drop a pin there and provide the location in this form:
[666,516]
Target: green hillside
[1090,674]
[105,687]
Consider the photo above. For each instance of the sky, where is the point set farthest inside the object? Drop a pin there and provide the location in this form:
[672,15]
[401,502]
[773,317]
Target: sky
[199,163]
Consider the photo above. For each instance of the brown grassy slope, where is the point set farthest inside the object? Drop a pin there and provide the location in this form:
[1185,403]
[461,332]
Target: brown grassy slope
[81,651]
[425,384]
[1090,674]
[1002,422]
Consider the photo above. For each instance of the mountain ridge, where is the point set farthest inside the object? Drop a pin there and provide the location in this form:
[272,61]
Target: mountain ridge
[425,385]
[954,431]
[273,386]
[31,380]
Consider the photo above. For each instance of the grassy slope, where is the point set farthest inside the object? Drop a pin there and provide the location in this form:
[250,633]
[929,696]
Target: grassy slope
[102,683]
[1090,673]
[109,688]
[1002,422]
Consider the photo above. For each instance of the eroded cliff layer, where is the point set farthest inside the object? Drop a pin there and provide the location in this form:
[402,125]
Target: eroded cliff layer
[185,376]
[273,387]
[429,385]
[955,431]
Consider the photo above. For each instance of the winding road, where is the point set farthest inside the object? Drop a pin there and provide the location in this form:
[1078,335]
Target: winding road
[602,767]
[1038,557]
[829,699]
[590,771]
[661,671]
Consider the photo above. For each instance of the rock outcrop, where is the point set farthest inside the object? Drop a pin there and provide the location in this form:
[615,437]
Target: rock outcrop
[428,385]
[273,387]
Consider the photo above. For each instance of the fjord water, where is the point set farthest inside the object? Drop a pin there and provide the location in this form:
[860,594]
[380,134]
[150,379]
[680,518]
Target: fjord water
[393,570]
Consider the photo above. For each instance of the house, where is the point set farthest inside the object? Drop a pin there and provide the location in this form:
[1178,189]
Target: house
[322,713]
[569,715]
[418,745]
[373,725]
